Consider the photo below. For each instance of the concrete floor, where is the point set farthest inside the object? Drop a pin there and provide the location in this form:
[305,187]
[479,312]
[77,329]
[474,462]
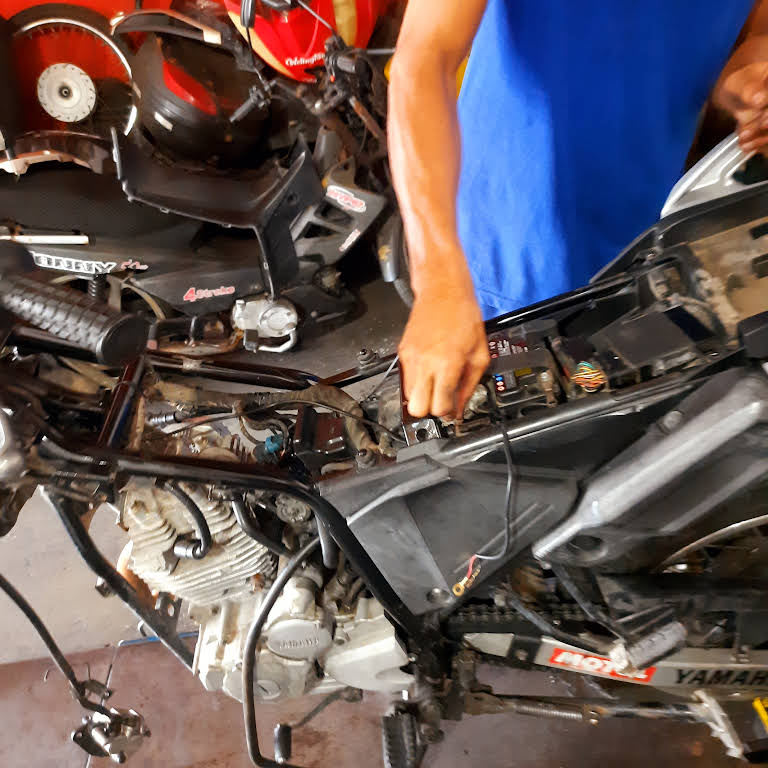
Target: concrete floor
[194,729]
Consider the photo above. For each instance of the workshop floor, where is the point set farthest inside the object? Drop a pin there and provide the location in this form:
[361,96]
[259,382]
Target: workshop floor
[195,729]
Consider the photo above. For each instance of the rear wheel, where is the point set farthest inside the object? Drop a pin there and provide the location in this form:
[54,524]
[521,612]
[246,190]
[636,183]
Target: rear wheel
[72,75]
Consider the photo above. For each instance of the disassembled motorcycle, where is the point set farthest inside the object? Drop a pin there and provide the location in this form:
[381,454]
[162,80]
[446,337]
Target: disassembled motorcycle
[266,169]
[600,511]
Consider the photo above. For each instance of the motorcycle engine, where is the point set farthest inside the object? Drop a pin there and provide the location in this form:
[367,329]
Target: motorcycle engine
[323,633]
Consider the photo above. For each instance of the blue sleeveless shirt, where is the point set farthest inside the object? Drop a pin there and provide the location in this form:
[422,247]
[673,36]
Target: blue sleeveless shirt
[576,118]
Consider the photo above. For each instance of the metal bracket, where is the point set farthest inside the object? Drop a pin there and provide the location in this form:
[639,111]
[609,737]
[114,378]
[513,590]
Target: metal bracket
[117,735]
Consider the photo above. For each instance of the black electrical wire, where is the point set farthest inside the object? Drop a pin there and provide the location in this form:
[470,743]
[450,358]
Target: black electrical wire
[247,14]
[314,13]
[510,502]
[251,528]
[249,655]
[204,538]
[53,649]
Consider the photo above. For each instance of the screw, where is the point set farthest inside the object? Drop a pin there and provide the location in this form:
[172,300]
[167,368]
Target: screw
[521,654]
[365,458]
[438,596]
[672,420]
[366,356]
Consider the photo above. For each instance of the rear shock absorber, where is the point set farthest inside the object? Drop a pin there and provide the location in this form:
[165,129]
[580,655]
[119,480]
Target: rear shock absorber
[98,288]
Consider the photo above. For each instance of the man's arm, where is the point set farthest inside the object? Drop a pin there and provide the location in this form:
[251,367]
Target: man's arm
[443,350]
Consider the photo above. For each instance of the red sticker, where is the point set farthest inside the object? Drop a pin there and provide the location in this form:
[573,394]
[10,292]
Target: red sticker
[194,294]
[595,665]
[346,199]
[137,266]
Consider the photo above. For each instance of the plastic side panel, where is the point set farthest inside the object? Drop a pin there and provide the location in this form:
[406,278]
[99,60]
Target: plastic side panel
[421,537]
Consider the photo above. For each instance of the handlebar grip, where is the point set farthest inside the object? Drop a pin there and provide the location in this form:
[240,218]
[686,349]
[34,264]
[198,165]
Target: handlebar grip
[113,337]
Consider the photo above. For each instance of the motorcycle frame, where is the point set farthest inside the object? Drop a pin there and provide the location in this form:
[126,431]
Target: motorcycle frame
[106,460]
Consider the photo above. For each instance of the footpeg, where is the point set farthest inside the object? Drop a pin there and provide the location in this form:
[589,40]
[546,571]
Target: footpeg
[400,741]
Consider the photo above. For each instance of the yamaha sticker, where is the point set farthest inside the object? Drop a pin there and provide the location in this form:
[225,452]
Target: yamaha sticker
[691,668]
[737,678]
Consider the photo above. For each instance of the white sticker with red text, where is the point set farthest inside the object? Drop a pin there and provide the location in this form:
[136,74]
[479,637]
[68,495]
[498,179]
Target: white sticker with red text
[595,665]
[345,199]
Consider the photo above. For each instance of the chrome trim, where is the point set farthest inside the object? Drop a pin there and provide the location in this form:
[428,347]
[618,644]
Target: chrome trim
[729,530]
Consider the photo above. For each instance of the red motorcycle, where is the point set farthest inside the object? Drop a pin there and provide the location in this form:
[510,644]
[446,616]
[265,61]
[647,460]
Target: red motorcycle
[239,154]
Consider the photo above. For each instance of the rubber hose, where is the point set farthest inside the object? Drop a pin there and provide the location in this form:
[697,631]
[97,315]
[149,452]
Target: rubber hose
[328,546]
[204,538]
[251,529]
[249,655]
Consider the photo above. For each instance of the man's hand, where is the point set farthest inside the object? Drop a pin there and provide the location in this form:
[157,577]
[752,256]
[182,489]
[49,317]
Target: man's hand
[444,351]
[742,90]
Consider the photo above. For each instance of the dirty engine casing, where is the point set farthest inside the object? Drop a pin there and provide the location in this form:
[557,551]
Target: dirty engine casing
[313,641]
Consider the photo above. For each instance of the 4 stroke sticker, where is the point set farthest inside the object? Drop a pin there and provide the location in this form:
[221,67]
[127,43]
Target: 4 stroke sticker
[195,294]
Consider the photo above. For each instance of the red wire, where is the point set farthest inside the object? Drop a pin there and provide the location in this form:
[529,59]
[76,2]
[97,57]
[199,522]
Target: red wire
[471,566]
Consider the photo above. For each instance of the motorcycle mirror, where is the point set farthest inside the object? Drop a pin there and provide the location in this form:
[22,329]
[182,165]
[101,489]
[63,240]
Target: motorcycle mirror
[15,258]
